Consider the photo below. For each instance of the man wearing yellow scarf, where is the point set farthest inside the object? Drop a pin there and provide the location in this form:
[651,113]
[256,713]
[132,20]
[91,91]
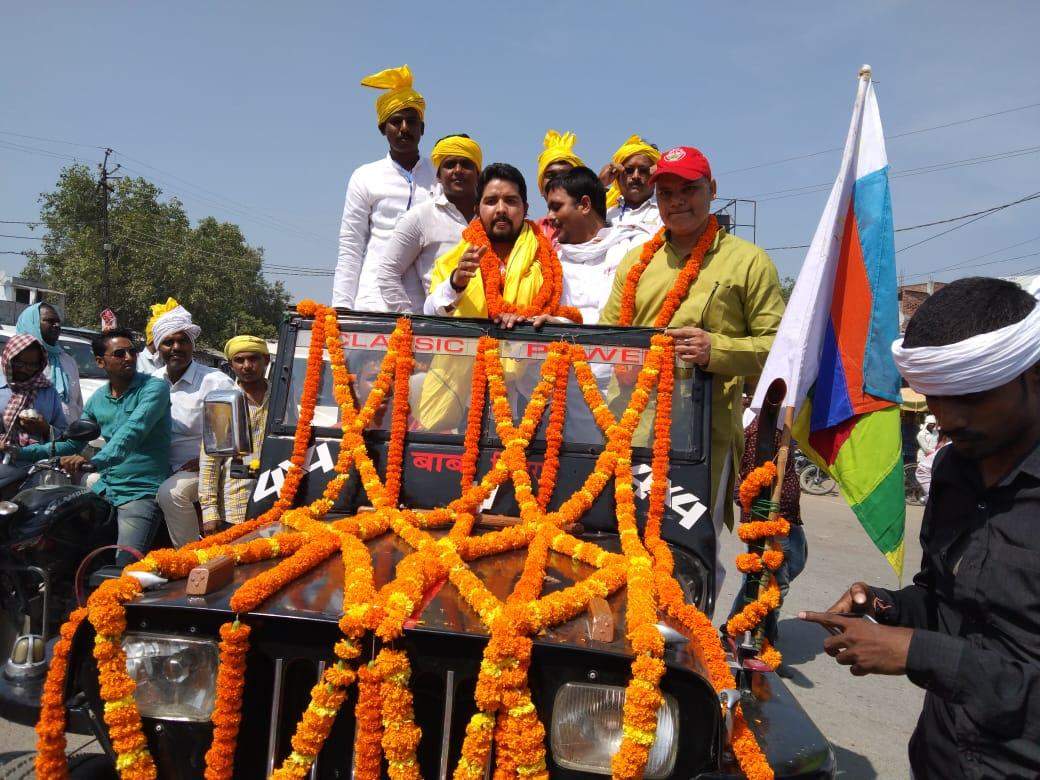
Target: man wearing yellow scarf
[380,192]
[457,288]
[557,157]
[431,228]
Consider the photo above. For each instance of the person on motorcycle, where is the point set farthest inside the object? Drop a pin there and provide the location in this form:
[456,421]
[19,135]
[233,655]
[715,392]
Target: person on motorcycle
[133,412]
[43,321]
[32,408]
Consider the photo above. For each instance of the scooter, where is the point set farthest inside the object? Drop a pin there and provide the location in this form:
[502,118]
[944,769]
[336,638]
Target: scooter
[48,530]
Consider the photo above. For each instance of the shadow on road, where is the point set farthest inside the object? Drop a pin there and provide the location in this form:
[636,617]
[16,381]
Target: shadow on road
[800,642]
[853,766]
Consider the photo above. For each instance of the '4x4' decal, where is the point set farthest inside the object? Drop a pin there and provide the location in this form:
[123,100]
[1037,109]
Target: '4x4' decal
[686,505]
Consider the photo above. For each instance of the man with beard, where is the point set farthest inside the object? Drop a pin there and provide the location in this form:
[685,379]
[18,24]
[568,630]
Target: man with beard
[966,629]
[457,286]
[431,228]
[718,294]
[380,192]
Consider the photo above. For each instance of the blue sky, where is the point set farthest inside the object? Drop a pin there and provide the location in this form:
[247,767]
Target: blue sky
[252,112]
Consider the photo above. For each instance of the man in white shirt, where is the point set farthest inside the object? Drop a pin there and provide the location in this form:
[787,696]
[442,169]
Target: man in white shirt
[380,192]
[431,228]
[174,335]
[590,251]
[630,199]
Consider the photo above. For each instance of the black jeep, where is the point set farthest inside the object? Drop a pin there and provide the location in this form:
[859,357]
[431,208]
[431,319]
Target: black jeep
[579,669]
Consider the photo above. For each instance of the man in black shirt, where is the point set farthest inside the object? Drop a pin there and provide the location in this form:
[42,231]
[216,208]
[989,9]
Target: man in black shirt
[968,628]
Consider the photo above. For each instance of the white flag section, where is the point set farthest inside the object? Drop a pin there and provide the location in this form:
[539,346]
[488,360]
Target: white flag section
[795,356]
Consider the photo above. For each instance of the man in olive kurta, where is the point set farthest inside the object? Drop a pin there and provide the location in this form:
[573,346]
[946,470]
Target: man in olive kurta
[728,318]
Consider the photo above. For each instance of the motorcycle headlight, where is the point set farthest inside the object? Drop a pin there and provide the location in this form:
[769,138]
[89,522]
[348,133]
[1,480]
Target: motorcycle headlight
[176,677]
[586,730]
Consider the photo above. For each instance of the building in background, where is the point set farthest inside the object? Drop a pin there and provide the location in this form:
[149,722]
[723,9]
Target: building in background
[17,293]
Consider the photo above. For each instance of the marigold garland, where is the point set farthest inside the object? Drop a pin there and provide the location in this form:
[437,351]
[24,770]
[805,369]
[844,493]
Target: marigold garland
[687,276]
[506,716]
[546,300]
[50,729]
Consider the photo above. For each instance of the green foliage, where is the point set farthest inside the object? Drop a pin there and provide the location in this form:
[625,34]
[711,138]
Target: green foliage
[209,269]
[787,287]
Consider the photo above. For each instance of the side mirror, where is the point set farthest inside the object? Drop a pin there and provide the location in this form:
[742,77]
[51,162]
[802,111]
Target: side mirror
[225,424]
[83,430]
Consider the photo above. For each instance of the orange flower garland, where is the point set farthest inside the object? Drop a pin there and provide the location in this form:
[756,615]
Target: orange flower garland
[546,300]
[50,729]
[227,710]
[553,438]
[687,276]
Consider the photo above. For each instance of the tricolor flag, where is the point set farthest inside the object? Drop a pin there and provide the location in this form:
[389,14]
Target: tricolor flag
[833,346]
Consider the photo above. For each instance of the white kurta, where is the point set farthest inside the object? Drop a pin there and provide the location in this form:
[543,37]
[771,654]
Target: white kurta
[644,221]
[377,195]
[421,236]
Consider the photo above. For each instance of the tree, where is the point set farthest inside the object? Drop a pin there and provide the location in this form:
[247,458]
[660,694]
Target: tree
[209,269]
[786,288]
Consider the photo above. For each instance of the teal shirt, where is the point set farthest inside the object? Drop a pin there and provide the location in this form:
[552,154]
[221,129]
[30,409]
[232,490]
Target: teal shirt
[135,460]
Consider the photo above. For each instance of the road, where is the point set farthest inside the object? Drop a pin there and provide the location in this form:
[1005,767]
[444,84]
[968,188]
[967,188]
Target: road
[868,720]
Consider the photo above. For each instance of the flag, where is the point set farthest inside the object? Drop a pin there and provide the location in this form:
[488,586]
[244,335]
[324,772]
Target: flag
[833,346]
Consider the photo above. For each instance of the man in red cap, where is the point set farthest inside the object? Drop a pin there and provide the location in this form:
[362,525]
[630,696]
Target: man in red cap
[718,295]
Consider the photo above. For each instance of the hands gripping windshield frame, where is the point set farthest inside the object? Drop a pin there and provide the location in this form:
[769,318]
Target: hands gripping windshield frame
[579,669]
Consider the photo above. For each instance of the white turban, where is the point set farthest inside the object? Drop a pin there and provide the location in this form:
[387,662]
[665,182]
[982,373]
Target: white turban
[174,321]
[974,365]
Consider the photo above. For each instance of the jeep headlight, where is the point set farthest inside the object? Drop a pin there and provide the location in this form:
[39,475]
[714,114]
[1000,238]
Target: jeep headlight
[586,730]
[176,677]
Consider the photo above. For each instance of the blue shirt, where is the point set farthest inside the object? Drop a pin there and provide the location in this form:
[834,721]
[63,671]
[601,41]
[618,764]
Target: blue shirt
[135,459]
[47,403]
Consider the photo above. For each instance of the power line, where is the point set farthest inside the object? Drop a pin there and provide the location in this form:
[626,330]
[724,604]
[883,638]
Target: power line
[982,213]
[887,138]
[963,264]
[50,140]
[810,189]
[34,238]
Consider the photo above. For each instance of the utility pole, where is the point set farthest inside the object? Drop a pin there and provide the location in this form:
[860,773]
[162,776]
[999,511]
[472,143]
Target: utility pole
[106,239]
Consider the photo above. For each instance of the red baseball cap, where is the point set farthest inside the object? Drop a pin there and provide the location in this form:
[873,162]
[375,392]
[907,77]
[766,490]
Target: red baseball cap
[684,161]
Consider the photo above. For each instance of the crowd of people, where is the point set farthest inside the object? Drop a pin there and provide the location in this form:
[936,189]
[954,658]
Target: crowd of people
[151,466]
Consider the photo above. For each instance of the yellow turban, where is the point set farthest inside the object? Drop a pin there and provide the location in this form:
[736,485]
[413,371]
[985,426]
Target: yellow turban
[456,146]
[634,145]
[558,148]
[399,93]
[158,310]
[245,344]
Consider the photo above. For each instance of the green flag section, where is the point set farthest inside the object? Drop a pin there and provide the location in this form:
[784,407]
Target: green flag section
[868,467]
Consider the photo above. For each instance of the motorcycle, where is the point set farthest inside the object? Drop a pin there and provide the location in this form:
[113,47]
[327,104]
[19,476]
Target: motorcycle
[812,478]
[48,530]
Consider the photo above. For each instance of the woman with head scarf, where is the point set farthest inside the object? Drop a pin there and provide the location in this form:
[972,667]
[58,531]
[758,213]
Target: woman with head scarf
[30,407]
[42,321]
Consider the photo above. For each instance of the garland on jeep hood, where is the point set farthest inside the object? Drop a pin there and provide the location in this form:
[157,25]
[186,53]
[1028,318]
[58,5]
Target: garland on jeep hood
[506,718]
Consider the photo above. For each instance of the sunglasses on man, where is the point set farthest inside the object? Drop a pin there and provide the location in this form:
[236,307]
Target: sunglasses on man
[123,352]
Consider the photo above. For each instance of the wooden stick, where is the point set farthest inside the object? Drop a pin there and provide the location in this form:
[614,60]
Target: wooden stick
[781,460]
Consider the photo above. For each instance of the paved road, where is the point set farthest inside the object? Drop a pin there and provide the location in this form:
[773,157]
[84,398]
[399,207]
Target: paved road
[868,720]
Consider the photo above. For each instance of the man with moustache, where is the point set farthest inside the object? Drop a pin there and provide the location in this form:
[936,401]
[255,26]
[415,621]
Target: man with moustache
[457,286]
[380,192]
[726,319]
[431,228]
[966,629]
[189,383]
[630,197]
